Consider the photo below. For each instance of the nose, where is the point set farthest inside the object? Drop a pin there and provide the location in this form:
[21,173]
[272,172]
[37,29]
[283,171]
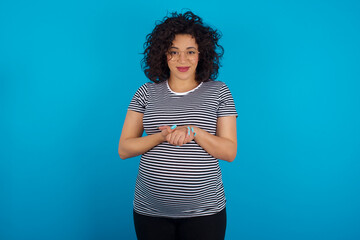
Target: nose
[182,57]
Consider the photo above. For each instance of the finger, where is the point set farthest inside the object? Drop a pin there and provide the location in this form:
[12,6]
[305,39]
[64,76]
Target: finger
[182,140]
[176,139]
[193,133]
[164,131]
[168,128]
[187,139]
[173,138]
[168,137]
[190,135]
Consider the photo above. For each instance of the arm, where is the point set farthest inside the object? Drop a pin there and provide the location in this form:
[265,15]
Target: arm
[131,142]
[223,145]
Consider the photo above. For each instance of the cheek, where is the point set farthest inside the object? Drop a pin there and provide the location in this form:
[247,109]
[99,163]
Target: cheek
[169,64]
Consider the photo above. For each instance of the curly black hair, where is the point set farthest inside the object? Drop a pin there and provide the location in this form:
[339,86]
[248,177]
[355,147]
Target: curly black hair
[154,63]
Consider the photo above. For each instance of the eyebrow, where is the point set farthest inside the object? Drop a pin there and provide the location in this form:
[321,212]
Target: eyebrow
[186,48]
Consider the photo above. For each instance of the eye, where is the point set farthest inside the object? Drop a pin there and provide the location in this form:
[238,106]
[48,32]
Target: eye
[173,53]
[191,52]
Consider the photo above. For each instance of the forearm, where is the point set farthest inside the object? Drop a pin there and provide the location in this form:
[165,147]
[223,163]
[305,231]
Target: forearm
[218,147]
[133,147]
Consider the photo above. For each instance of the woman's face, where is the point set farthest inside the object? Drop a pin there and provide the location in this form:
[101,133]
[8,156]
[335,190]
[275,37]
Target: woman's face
[183,57]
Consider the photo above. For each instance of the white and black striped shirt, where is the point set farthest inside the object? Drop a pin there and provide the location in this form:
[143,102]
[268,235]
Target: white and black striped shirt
[180,181]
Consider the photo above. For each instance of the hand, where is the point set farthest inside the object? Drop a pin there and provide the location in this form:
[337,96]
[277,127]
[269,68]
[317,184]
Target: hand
[178,136]
[165,130]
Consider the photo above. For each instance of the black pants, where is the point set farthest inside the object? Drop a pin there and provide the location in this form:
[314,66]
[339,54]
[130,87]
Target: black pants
[210,227]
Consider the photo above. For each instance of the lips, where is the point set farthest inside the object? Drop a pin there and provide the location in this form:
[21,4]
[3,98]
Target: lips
[183,69]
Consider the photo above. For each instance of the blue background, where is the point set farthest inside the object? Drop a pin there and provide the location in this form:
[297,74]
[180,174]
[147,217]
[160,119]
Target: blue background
[68,70]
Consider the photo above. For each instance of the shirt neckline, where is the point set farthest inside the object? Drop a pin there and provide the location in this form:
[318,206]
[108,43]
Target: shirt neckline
[182,93]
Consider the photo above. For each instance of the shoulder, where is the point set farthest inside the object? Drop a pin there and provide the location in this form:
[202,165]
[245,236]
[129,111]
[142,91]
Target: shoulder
[142,92]
[220,89]
[148,89]
[216,85]
[144,87]
[152,85]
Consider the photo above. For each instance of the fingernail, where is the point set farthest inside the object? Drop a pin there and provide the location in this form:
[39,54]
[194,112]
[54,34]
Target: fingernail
[188,130]
[173,126]
[194,134]
[192,129]
[177,146]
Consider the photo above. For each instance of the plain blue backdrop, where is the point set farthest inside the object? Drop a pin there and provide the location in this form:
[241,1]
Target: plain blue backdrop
[68,70]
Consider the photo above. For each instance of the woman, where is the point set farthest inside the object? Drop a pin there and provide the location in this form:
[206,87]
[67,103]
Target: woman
[190,122]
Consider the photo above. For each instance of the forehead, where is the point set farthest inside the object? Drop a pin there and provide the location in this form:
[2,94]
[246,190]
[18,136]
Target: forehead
[184,41]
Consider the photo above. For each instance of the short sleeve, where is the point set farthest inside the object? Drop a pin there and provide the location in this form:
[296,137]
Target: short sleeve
[139,101]
[226,103]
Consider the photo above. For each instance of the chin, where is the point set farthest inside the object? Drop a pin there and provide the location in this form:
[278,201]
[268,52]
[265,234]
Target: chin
[185,76]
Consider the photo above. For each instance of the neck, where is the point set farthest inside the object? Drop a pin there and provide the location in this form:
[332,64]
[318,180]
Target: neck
[179,85]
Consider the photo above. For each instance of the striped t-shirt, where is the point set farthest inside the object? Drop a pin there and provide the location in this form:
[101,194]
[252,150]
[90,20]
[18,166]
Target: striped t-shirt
[180,181]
